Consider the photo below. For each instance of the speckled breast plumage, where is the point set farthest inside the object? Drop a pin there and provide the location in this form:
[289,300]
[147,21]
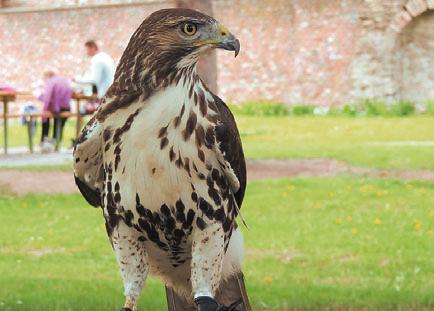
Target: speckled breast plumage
[161,175]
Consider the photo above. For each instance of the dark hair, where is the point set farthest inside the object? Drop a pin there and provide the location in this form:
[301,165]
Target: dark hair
[91,44]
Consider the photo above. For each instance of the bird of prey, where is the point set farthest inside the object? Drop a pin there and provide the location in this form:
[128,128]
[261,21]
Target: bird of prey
[162,157]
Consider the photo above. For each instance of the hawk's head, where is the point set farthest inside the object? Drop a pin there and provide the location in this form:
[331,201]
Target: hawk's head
[187,32]
[168,43]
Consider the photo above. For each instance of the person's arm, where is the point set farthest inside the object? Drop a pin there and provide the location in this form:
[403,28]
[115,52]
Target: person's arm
[94,75]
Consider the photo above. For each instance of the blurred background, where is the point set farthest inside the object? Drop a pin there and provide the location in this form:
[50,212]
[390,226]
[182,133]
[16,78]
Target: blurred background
[334,101]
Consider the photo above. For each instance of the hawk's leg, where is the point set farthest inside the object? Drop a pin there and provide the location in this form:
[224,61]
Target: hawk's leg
[207,261]
[132,259]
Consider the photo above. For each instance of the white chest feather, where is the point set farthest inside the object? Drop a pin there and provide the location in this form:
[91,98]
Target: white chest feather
[163,153]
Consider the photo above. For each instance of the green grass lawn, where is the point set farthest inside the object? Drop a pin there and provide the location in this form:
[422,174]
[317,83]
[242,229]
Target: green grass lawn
[370,142]
[17,134]
[313,244]
[383,142]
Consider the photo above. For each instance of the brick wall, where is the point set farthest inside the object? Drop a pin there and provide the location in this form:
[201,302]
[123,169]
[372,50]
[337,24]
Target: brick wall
[291,51]
[34,41]
[294,51]
[63,3]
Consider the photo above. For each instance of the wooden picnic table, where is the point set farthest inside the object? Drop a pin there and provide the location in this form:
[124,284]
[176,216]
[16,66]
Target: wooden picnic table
[7,96]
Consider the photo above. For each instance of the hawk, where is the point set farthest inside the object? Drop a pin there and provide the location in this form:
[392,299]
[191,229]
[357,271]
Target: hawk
[162,157]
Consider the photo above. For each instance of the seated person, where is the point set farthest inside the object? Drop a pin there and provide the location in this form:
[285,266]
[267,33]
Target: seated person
[56,98]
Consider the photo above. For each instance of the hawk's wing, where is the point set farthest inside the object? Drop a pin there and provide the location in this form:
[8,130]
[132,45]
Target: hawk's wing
[231,151]
[88,151]
[88,170]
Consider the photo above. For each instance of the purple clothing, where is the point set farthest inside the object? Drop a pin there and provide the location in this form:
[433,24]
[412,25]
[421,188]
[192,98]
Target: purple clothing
[7,88]
[57,94]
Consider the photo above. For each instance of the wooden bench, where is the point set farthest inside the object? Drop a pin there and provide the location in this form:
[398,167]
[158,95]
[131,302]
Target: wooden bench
[32,116]
[7,97]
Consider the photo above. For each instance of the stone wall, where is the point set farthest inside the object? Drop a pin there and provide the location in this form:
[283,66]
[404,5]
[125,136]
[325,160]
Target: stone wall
[415,71]
[373,64]
[294,51]
[413,50]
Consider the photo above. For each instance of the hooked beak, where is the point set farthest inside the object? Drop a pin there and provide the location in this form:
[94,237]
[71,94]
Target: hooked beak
[221,38]
[230,43]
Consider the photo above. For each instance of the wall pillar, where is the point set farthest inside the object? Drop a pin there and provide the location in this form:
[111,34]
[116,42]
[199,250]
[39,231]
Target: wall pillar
[208,63]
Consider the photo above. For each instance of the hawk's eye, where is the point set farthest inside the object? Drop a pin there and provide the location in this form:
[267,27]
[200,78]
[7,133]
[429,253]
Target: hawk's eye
[189,29]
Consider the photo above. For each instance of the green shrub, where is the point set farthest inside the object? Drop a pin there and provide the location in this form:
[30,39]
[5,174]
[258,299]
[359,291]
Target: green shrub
[402,108]
[261,109]
[350,110]
[302,110]
[374,108]
[430,107]
[370,108]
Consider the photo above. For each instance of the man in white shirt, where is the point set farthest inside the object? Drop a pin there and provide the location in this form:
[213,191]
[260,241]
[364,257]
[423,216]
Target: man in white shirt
[102,69]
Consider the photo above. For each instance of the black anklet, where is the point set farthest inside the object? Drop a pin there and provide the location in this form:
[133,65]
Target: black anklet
[205,303]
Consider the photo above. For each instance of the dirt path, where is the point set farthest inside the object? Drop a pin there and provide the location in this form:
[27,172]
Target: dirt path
[23,182]
[268,169]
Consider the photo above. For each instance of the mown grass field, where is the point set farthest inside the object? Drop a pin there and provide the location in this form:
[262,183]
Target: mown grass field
[313,244]
[397,143]
[341,243]
[382,142]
